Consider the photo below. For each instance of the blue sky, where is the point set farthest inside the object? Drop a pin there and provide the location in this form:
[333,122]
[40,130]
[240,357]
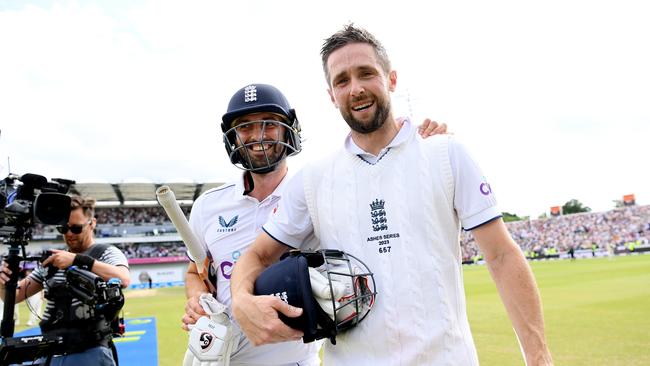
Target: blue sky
[551,98]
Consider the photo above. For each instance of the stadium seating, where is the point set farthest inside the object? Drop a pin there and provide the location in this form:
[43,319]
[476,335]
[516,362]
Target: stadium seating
[145,231]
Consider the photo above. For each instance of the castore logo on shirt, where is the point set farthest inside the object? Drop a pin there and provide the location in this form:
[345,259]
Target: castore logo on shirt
[227,226]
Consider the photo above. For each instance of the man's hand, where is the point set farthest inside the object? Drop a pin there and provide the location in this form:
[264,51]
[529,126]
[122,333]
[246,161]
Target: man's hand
[25,287]
[60,259]
[193,311]
[427,128]
[258,319]
[430,128]
[5,272]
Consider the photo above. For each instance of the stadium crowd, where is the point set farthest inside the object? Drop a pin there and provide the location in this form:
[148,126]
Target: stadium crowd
[615,228]
[134,215]
[148,250]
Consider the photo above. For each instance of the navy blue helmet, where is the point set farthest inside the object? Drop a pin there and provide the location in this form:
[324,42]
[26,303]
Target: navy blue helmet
[263,154]
[293,280]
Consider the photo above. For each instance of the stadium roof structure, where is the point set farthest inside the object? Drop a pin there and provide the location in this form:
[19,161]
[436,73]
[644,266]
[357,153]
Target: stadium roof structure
[132,193]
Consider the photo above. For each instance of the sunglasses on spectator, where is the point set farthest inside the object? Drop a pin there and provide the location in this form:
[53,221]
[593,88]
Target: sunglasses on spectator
[75,229]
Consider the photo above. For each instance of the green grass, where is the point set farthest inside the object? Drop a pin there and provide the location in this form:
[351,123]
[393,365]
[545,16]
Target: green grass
[168,306]
[596,313]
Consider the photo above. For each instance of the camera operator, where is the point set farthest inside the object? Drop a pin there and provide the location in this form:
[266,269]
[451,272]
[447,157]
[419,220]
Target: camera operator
[90,342]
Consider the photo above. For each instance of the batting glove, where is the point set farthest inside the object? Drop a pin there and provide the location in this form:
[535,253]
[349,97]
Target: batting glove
[211,338]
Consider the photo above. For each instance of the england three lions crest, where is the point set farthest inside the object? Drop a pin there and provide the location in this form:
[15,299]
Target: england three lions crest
[378,215]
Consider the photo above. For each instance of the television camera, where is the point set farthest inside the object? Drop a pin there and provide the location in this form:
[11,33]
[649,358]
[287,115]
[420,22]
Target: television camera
[25,201]
[29,199]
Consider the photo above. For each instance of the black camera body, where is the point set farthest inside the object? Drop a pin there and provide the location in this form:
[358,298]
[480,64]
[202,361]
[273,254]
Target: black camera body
[105,297]
[104,300]
[84,310]
[29,199]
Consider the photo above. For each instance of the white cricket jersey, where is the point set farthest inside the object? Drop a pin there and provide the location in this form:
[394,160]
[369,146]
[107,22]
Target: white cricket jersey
[400,213]
[226,222]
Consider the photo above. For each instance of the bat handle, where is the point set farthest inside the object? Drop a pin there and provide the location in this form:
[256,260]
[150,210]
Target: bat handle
[210,286]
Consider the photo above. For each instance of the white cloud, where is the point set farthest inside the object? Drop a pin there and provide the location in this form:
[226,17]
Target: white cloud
[551,97]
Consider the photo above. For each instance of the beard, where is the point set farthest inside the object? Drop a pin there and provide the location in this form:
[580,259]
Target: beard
[381,114]
[273,154]
[76,244]
[256,155]
[265,158]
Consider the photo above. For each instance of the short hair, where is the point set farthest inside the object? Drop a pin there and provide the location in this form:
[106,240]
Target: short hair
[87,204]
[348,35]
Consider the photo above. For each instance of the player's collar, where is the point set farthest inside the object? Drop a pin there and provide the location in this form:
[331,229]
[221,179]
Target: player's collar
[401,137]
[240,186]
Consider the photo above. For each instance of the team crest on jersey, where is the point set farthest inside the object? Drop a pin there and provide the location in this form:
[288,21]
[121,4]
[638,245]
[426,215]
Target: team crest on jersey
[227,226]
[378,215]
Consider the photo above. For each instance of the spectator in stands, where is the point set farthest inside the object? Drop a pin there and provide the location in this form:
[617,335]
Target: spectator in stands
[89,338]
[613,229]
[133,215]
[150,250]
[579,231]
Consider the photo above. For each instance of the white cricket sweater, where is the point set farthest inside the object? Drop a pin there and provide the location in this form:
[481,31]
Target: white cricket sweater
[398,217]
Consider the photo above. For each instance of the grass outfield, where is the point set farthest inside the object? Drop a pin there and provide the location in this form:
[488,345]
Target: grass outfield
[596,313]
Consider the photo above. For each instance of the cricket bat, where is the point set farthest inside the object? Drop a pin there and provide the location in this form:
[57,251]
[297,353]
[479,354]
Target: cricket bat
[167,200]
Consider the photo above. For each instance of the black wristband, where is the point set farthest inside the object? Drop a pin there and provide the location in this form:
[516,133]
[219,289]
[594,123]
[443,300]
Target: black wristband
[85,261]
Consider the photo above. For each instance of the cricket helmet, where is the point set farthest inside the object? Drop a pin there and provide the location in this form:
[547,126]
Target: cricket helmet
[335,290]
[257,98]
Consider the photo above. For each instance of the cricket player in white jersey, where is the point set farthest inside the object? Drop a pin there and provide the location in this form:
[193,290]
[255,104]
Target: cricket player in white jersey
[397,203]
[260,130]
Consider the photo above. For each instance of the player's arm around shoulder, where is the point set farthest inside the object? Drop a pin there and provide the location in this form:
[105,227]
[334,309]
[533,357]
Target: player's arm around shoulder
[517,288]
[258,315]
[437,144]
[427,128]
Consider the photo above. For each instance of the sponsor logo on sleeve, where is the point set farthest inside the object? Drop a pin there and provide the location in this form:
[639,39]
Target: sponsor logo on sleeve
[485,188]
